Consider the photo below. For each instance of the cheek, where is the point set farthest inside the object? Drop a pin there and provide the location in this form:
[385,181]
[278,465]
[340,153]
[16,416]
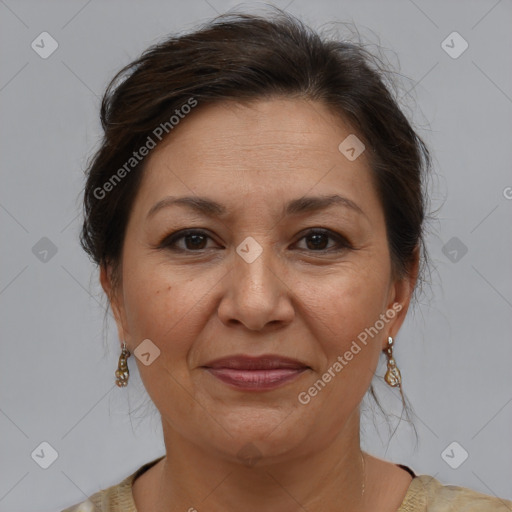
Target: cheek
[147,301]
[348,301]
[165,306]
[344,315]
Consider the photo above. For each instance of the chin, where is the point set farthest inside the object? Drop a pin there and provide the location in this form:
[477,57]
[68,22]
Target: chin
[275,432]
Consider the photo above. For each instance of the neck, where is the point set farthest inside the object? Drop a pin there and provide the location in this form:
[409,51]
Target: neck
[328,476]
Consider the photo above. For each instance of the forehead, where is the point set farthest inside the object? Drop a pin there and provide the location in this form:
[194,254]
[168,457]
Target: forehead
[274,127]
[266,150]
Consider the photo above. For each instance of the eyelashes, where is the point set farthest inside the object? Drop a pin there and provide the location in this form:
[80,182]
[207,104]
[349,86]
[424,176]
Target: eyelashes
[170,241]
[317,241]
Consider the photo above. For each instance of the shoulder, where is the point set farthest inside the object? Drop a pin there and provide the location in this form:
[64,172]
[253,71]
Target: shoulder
[427,494]
[85,506]
[117,498]
[113,499]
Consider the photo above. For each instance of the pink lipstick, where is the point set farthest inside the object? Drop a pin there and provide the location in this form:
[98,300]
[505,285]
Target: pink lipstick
[261,373]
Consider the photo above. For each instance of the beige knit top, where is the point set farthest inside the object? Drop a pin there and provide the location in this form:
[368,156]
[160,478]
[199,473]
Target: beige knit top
[425,494]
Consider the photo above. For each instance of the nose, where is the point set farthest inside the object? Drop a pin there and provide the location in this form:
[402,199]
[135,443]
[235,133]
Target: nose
[256,294]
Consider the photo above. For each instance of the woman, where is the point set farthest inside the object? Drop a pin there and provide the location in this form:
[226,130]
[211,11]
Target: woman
[256,210]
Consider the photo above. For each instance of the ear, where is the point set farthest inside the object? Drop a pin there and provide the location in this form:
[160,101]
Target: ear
[115,297]
[400,295]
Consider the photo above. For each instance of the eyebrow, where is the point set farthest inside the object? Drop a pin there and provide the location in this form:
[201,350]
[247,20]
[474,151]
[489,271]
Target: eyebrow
[211,208]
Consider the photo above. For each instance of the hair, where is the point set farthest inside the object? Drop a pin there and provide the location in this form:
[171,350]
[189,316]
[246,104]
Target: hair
[245,57]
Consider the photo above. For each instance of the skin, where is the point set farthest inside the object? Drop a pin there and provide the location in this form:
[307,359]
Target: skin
[303,298]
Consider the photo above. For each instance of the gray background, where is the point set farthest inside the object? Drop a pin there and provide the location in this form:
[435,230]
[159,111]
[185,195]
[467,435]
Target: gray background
[57,375]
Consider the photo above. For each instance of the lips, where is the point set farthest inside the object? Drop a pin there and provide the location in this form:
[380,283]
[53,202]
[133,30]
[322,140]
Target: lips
[265,362]
[261,373]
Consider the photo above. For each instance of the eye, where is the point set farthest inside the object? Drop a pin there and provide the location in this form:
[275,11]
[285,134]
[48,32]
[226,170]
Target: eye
[317,240]
[194,239]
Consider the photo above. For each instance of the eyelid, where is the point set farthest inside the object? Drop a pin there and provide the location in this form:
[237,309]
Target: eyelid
[173,237]
[169,241]
[342,241]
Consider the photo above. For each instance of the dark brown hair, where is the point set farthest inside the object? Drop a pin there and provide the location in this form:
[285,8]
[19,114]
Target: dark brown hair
[244,57]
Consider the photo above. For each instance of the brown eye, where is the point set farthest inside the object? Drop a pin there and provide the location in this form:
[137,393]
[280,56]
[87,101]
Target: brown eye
[195,240]
[318,240]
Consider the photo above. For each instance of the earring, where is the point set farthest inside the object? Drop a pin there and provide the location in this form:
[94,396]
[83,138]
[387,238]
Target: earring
[392,377]
[122,372]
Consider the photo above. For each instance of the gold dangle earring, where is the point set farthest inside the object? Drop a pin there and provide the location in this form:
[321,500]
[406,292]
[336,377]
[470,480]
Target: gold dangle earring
[122,372]
[392,377]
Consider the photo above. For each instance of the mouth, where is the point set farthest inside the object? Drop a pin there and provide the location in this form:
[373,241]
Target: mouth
[256,373]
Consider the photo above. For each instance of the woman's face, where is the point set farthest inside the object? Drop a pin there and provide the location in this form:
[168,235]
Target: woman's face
[272,270]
